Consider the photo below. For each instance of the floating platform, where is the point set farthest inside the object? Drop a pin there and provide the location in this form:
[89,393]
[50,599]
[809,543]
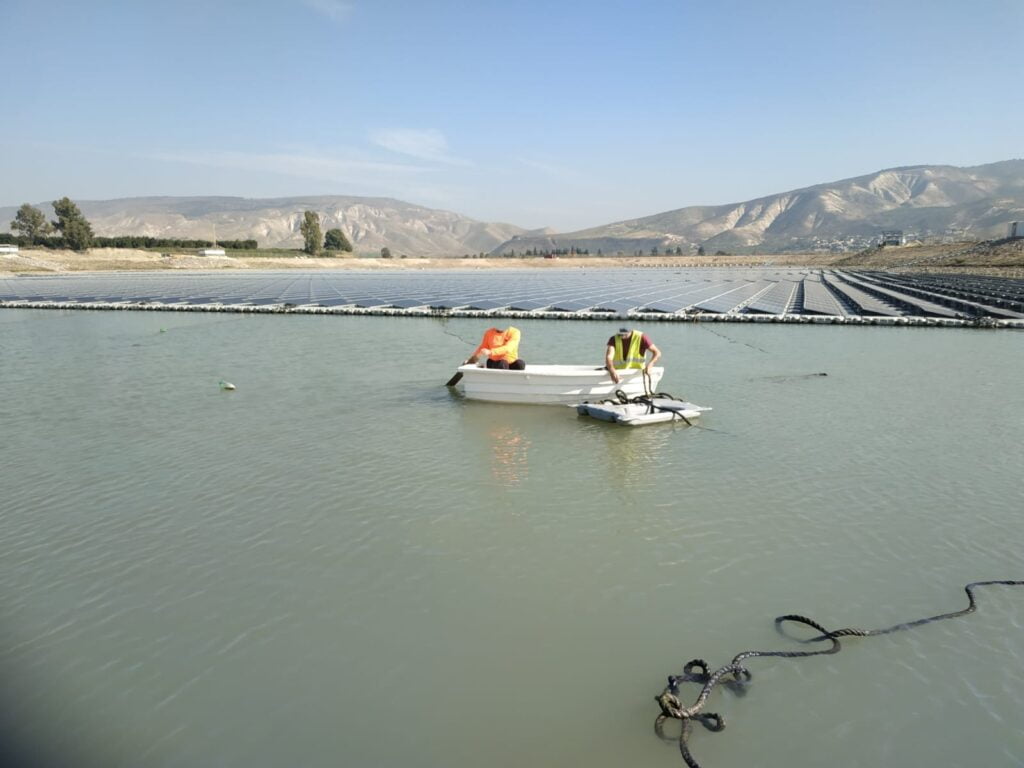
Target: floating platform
[655,411]
[664,294]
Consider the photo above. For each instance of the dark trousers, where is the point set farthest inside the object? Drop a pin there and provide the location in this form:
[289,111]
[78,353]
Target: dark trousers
[504,365]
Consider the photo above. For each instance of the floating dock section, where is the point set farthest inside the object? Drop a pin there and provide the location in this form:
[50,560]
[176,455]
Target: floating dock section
[665,294]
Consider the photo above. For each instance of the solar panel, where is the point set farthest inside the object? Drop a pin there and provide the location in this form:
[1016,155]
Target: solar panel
[773,291]
[865,303]
[731,299]
[818,300]
[774,301]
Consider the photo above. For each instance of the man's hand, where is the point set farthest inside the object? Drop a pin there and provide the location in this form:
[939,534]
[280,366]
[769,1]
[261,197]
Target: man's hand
[615,376]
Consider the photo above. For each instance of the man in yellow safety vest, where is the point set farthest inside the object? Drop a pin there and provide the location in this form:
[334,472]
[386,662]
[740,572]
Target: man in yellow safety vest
[628,349]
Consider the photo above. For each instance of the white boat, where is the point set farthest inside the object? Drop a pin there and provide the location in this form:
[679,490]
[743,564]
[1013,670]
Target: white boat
[654,411]
[551,384]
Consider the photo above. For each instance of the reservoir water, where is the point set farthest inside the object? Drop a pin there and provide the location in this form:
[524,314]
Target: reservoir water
[341,563]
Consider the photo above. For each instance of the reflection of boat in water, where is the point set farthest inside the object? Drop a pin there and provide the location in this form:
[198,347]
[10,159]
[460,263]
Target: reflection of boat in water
[500,439]
[551,384]
[631,458]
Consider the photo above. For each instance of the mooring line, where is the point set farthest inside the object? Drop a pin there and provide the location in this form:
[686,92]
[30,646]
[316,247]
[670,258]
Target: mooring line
[456,336]
[730,339]
[734,675]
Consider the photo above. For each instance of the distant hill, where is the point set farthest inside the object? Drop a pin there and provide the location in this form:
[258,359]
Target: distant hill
[927,201]
[370,222]
[847,215]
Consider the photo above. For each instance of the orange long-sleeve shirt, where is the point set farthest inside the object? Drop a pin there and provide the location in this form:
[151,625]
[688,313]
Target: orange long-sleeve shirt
[504,345]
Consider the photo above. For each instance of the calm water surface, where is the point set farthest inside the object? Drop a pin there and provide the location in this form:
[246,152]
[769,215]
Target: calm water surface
[342,564]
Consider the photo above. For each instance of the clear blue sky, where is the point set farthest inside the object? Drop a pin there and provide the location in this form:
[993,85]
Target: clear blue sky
[534,112]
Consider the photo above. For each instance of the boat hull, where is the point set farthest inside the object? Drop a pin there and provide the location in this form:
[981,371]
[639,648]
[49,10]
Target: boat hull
[550,384]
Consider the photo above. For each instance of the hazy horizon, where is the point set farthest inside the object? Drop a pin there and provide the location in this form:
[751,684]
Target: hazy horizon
[565,117]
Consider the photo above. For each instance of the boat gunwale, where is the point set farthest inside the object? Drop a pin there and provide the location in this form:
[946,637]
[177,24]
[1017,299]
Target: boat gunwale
[563,372]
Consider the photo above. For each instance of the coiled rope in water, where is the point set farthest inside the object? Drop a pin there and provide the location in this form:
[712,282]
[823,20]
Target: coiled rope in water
[735,675]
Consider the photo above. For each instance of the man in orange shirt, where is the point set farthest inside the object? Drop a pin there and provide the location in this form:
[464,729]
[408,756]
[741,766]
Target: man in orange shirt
[501,349]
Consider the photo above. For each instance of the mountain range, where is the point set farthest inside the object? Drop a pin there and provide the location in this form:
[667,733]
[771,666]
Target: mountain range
[925,200]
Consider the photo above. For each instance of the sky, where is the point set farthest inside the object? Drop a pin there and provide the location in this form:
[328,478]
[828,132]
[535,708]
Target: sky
[539,113]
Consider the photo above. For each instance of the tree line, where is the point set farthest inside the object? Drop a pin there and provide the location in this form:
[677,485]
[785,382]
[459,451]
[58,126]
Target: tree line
[75,232]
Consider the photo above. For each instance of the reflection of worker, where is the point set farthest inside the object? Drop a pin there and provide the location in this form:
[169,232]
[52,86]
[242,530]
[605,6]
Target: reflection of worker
[501,349]
[508,454]
[628,349]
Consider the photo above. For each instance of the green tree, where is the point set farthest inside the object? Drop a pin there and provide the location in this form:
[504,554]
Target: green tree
[31,223]
[335,240]
[72,225]
[310,229]
[385,252]
[700,250]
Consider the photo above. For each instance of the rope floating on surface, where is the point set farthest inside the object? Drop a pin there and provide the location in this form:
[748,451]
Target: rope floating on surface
[734,675]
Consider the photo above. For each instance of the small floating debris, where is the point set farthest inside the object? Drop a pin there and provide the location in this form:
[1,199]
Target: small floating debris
[163,330]
[226,385]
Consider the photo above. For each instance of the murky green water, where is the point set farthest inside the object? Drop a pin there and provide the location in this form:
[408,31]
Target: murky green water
[341,564]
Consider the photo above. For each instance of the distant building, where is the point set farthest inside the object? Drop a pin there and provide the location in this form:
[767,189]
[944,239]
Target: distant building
[5,248]
[210,252]
[954,235]
[1015,229]
[893,237]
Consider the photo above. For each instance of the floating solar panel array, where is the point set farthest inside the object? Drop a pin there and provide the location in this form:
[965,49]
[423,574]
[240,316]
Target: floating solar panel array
[762,295]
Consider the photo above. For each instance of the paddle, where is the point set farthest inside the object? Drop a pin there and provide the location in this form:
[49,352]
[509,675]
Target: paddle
[454,380]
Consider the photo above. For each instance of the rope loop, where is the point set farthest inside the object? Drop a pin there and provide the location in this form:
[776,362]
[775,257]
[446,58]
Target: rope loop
[741,675]
[712,721]
[700,664]
[698,671]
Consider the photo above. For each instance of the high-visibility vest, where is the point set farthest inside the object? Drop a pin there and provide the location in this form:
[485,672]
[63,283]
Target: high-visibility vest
[633,358]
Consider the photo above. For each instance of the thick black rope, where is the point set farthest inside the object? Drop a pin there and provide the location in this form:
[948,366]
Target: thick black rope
[734,675]
[648,400]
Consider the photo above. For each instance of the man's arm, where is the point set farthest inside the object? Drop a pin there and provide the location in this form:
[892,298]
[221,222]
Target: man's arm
[655,357]
[609,363]
[481,350]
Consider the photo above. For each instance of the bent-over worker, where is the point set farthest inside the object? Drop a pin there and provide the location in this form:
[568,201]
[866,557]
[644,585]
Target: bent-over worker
[628,349]
[501,349]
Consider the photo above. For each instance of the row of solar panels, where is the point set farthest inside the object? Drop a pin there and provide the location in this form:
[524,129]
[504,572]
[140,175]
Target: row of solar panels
[768,292]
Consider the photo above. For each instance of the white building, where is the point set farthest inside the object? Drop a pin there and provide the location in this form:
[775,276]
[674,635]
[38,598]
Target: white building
[5,248]
[210,251]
